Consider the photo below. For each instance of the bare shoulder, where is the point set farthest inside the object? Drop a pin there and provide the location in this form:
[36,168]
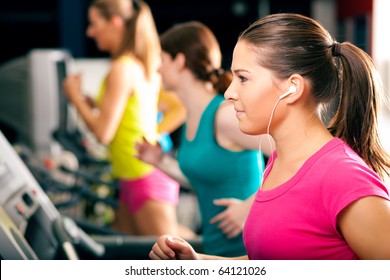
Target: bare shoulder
[127,63]
[228,131]
[225,117]
[125,70]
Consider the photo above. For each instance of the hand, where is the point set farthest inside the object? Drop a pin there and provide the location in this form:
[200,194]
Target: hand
[148,152]
[232,220]
[169,247]
[72,87]
[90,101]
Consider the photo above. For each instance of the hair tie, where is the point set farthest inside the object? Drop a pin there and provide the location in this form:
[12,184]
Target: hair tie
[336,49]
[218,72]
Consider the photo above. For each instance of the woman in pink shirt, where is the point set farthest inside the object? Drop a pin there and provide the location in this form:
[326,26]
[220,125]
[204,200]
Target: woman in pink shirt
[323,195]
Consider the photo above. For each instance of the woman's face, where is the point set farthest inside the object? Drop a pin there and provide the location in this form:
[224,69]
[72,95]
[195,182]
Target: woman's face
[167,71]
[252,91]
[100,29]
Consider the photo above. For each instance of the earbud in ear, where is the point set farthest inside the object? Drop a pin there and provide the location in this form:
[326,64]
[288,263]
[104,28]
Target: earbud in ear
[291,90]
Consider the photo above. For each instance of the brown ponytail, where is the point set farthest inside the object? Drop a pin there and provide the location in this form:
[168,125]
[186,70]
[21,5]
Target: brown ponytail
[201,49]
[356,119]
[221,80]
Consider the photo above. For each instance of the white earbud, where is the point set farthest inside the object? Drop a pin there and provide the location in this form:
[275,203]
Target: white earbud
[291,90]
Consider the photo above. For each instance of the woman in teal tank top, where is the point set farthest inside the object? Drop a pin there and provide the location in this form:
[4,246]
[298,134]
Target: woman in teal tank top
[216,172]
[215,158]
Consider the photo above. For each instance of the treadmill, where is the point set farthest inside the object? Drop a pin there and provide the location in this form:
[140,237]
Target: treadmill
[31,228]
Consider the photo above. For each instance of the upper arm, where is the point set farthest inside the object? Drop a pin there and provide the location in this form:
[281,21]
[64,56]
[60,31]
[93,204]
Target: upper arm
[118,89]
[365,224]
[228,130]
[174,113]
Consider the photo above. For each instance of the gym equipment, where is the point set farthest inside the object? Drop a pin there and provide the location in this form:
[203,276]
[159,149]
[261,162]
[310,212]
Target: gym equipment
[32,228]
[30,99]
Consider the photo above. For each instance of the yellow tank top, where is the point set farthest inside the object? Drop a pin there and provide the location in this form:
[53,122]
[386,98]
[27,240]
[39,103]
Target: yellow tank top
[139,120]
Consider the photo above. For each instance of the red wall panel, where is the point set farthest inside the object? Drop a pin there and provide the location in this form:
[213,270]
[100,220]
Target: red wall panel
[353,8]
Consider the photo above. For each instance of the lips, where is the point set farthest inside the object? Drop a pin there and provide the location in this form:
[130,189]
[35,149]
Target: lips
[238,113]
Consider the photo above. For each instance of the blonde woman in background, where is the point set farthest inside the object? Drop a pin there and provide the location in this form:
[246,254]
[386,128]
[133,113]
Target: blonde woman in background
[126,111]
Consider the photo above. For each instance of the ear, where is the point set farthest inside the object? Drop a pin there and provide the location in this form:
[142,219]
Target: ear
[117,21]
[180,61]
[299,82]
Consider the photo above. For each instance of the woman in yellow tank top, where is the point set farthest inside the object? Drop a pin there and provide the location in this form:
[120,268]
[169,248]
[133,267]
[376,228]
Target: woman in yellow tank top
[126,112]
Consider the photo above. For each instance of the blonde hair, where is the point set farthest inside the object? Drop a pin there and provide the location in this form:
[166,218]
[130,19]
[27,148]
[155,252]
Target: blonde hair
[141,36]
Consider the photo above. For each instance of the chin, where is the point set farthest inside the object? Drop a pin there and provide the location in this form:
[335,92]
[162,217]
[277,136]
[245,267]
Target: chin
[249,130]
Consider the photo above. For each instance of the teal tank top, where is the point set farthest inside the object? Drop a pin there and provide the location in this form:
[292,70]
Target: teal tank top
[215,172]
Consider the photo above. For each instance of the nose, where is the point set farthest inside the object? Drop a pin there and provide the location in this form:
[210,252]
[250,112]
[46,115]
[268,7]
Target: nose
[89,32]
[230,94]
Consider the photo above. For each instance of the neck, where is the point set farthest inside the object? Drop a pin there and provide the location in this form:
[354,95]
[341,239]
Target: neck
[300,137]
[194,94]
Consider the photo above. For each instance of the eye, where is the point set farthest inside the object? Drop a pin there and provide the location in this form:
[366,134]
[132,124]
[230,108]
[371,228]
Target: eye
[242,78]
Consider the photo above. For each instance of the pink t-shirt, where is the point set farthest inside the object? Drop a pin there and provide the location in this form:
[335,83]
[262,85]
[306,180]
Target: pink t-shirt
[297,220]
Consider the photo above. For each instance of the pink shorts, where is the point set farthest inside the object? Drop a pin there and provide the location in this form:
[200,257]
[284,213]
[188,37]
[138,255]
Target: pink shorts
[156,186]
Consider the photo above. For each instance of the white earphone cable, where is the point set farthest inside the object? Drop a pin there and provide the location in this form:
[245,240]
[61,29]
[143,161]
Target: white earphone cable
[270,143]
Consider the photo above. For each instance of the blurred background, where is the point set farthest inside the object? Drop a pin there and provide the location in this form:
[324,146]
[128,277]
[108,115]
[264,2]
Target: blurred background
[62,23]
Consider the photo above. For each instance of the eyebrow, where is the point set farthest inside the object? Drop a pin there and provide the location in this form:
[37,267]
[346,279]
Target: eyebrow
[236,71]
